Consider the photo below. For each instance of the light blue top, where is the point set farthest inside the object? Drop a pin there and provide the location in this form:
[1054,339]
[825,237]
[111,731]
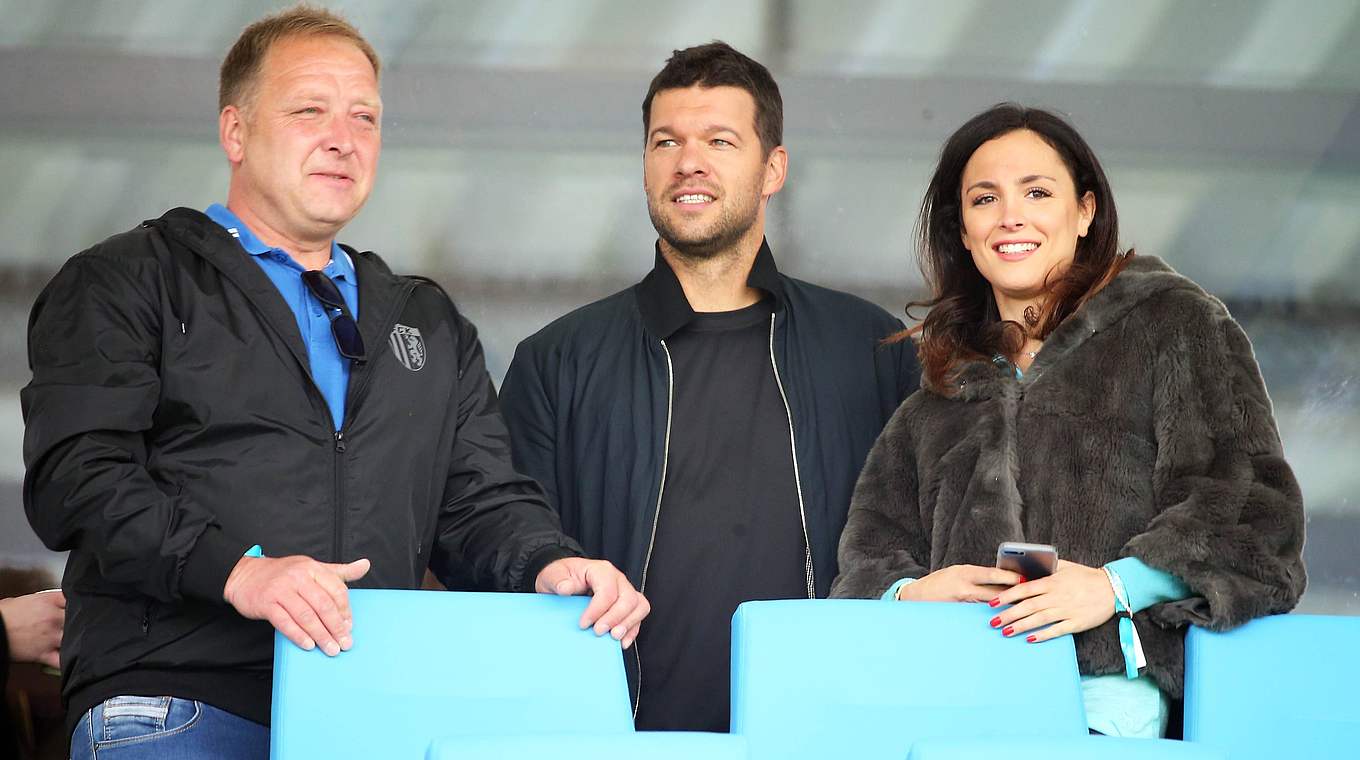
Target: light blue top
[1117,705]
[330,370]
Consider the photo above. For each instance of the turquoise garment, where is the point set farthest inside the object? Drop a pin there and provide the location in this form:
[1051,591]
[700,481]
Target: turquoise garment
[1147,586]
[891,594]
[330,370]
[1119,706]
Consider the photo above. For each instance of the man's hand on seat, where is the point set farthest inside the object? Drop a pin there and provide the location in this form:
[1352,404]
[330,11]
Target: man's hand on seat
[617,608]
[306,600]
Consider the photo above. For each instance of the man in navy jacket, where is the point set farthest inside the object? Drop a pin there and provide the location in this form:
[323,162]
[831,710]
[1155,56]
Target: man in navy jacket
[703,429]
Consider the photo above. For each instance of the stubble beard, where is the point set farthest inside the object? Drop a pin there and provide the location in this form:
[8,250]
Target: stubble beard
[732,224]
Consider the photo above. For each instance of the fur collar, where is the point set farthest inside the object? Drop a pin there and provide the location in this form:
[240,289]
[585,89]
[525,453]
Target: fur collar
[1143,278]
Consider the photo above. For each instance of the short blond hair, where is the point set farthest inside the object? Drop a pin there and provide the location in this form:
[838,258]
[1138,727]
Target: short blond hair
[241,67]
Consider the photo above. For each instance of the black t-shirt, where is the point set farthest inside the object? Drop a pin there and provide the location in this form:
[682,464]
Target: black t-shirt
[729,528]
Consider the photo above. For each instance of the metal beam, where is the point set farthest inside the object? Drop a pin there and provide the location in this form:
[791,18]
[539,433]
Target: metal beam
[83,92]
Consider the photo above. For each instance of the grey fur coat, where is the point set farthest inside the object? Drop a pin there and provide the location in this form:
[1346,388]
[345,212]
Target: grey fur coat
[1141,429]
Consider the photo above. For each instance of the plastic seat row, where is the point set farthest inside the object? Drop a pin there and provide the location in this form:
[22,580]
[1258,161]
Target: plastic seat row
[483,676]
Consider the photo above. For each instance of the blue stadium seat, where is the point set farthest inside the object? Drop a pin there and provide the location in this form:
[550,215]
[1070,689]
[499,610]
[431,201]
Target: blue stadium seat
[867,679]
[651,745]
[1065,748]
[1280,686]
[427,664]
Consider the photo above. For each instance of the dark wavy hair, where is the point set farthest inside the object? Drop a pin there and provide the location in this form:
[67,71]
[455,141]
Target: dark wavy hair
[963,322]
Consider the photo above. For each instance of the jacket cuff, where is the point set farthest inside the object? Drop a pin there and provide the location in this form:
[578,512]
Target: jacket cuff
[205,571]
[541,559]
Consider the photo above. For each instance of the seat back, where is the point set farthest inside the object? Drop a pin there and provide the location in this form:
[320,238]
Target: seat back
[867,678]
[1063,748]
[434,663]
[1279,686]
[652,745]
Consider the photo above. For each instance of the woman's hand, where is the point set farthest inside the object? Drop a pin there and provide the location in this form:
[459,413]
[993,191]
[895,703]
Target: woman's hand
[1073,599]
[960,583]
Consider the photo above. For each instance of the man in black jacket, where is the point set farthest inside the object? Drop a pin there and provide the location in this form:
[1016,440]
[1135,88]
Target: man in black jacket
[232,417]
[704,428]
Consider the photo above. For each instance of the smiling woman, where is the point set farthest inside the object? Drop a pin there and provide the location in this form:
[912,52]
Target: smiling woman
[1078,397]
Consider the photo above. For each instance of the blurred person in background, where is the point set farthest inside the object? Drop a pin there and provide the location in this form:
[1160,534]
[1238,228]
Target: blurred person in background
[31,618]
[703,429]
[1079,396]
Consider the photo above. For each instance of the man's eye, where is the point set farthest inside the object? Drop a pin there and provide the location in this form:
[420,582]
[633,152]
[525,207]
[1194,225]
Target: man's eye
[665,143]
[721,143]
[308,110]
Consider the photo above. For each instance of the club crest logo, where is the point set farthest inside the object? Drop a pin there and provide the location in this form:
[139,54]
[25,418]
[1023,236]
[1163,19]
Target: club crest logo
[408,346]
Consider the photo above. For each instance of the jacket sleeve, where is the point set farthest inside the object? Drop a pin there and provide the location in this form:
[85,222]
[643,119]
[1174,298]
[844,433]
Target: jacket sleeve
[495,531]
[1230,514]
[94,349]
[884,538]
[529,416]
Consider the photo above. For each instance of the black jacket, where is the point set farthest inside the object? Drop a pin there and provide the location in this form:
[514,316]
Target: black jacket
[172,423]
[587,400]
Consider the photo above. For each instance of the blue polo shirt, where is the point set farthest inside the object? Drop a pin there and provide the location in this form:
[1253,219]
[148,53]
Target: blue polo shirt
[330,370]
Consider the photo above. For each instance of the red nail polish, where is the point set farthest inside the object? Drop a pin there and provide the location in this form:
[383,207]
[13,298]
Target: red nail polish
[996,621]
[994,603]
[1023,579]
[1007,631]
[1030,639]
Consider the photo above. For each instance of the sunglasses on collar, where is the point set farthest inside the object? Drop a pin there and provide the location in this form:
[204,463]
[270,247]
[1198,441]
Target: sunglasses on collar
[343,327]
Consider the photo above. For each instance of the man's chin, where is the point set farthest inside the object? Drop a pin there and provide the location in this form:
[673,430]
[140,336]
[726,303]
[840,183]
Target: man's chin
[333,216]
[697,243]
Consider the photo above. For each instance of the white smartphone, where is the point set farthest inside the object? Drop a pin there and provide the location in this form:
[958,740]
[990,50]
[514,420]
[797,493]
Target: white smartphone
[1033,561]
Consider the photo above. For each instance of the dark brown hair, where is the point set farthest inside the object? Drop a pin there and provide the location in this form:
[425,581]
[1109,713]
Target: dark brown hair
[718,64]
[963,322]
[241,67]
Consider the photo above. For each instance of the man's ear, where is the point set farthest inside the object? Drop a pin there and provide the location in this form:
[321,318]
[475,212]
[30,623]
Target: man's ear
[231,133]
[776,171]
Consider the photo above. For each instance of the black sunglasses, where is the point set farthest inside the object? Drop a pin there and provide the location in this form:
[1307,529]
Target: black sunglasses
[343,327]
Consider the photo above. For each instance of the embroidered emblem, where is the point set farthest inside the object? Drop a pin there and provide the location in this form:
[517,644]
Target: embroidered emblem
[408,346]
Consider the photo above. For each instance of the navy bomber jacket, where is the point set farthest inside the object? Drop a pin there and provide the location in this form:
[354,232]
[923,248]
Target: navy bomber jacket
[587,400]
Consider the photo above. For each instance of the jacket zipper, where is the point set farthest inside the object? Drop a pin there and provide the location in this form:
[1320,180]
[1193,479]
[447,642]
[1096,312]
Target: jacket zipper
[797,481]
[656,518]
[339,494]
[352,394]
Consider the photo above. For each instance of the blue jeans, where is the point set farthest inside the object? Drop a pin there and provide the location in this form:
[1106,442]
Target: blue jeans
[165,728]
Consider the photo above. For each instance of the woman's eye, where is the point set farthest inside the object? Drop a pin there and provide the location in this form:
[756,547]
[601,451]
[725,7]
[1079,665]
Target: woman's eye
[983,199]
[1038,192]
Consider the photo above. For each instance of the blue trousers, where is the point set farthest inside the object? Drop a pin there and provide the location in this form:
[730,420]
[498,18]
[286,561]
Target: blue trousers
[165,728]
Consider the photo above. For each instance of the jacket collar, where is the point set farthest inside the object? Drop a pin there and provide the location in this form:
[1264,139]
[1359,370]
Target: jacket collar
[378,287]
[1143,278]
[661,299]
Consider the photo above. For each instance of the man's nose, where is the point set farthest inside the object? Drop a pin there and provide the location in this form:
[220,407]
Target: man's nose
[691,159]
[340,136]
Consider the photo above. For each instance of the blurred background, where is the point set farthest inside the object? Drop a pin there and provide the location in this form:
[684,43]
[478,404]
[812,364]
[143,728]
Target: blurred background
[511,169]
